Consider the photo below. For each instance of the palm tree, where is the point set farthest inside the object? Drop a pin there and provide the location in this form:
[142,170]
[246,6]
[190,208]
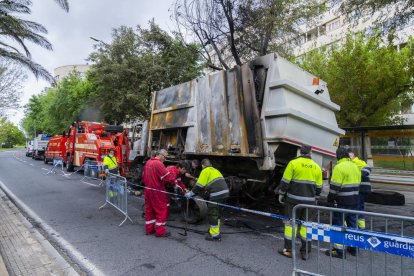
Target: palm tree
[17,30]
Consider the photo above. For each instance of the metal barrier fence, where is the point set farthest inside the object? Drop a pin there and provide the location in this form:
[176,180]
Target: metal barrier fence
[385,247]
[93,170]
[57,161]
[116,194]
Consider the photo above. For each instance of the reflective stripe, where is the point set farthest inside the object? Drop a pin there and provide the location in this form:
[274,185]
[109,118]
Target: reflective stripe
[335,184]
[159,223]
[162,177]
[150,221]
[348,193]
[301,197]
[304,181]
[219,193]
[168,205]
[333,192]
[350,185]
[285,180]
[366,170]
[199,185]
[214,181]
[366,183]
[214,226]
[215,235]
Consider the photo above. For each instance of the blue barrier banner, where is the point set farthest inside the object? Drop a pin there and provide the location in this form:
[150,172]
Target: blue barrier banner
[382,242]
[93,168]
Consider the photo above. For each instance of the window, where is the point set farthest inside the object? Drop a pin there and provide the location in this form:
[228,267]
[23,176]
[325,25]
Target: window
[333,25]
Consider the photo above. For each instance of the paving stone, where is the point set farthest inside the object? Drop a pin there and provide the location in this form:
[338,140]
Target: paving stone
[22,253]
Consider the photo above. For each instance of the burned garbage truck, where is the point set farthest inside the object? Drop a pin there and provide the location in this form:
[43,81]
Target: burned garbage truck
[249,121]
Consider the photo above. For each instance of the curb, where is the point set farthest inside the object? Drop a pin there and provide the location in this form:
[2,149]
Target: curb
[3,269]
[71,253]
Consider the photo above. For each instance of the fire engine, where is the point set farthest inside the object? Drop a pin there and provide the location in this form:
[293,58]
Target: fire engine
[56,148]
[87,141]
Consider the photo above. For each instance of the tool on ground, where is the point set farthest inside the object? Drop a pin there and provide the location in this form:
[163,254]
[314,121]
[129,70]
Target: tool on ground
[186,218]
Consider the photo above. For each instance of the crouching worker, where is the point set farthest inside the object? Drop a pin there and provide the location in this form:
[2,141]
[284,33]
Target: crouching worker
[211,186]
[110,163]
[177,185]
[301,184]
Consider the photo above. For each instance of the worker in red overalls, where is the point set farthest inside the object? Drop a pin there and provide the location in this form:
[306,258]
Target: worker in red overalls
[178,186]
[155,176]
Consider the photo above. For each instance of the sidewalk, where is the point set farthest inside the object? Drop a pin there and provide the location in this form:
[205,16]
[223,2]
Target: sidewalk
[24,251]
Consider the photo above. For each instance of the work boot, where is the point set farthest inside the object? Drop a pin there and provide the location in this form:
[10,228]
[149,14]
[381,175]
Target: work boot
[352,250]
[213,238]
[150,233]
[305,249]
[285,252]
[335,253]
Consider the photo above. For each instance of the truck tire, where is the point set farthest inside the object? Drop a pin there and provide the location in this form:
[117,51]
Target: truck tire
[197,210]
[386,198]
[114,129]
[69,165]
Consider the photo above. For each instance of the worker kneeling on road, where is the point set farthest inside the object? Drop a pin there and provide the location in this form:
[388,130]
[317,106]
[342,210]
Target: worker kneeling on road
[211,186]
[110,163]
[155,176]
[301,184]
[343,193]
[177,184]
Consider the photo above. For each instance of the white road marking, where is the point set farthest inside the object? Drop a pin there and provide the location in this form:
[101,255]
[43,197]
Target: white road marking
[31,164]
[45,169]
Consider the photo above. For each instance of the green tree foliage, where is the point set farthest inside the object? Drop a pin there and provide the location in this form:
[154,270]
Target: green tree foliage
[368,78]
[15,32]
[137,63]
[10,135]
[234,31]
[56,108]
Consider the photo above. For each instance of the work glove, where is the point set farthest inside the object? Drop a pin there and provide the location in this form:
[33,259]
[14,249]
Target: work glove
[190,194]
[106,170]
[282,199]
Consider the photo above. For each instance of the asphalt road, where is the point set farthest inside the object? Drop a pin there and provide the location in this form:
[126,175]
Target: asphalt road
[68,210]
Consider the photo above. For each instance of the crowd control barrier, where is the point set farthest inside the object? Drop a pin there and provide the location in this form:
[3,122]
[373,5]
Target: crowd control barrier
[384,247]
[116,194]
[93,173]
[57,166]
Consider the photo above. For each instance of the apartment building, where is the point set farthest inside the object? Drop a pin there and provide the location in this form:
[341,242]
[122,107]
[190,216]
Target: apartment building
[331,27]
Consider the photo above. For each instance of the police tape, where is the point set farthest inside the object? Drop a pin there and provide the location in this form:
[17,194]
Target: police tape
[364,239]
[370,240]
[266,214]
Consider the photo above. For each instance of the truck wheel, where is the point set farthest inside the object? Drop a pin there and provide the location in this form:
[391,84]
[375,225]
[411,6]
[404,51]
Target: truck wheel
[69,165]
[386,198]
[197,210]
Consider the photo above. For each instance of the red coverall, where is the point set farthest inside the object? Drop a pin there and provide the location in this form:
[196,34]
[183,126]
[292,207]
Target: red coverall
[176,176]
[155,175]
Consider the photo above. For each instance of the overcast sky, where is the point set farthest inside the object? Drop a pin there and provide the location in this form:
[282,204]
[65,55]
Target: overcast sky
[69,32]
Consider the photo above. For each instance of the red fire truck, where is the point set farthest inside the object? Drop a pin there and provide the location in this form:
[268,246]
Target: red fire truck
[87,141]
[56,148]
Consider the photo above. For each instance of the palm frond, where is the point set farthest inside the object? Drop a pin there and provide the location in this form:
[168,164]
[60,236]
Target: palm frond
[38,70]
[64,4]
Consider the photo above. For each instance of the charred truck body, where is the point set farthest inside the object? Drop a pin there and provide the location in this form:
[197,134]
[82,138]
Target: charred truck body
[249,121]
